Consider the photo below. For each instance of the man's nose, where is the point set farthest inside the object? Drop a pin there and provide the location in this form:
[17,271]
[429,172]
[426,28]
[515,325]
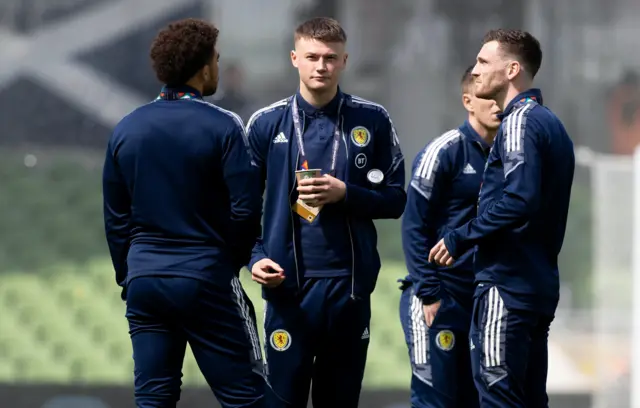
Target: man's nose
[321,65]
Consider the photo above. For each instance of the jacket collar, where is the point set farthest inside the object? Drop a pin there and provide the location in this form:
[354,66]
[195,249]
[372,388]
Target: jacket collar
[329,109]
[532,94]
[179,92]
[472,135]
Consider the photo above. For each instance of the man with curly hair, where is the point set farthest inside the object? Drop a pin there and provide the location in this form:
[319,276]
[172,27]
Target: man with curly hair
[182,204]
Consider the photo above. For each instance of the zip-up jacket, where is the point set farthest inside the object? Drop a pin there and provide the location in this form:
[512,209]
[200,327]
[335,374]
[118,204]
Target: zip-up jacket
[443,195]
[181,197]
[275,150]
[524,201]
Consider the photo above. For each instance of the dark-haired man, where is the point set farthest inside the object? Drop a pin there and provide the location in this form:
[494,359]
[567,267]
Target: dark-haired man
[317,258]
[436,302]
[519,229]
[182,212]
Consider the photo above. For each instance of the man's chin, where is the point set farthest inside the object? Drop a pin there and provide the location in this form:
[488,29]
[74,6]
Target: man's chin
[319,86]
[487,95]
[209,91]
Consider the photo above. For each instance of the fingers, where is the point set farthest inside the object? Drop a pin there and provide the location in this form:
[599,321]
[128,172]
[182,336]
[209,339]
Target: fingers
[434,251]
[314,197]
[310,189]
[268,283]
[309,198]
[429,318]
[430,312]
[314,200]
[269,264]
[275,281]
[267,273]
[315,181]
[449,261]
[313,189]
[428,315]
[317,191]
[255,278]
[440,255]
[260,276]
[267,279]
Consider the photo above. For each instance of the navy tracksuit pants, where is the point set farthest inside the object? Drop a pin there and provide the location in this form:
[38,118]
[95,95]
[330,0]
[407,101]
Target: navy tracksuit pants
[320,340]
[218,322]
[439,355]
[509,352]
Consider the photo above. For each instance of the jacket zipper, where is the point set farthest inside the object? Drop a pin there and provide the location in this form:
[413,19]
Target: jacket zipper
[353,253]
[353,262]
[344,139]
[485,152]
[293,226]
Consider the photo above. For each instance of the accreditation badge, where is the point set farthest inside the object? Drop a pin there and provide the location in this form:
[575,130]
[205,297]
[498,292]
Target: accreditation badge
[304,210]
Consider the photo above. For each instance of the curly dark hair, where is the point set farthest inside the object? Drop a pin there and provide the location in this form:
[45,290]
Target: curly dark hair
[521,44]
[181,49]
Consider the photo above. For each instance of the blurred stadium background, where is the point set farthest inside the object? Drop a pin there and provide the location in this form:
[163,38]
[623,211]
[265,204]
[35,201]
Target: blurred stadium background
[70,69]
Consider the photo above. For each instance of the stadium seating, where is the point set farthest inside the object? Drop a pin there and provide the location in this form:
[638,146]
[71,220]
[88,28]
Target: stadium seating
[68,324]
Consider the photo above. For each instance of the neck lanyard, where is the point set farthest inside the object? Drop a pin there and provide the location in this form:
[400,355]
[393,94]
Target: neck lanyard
[336,134]
[168,95]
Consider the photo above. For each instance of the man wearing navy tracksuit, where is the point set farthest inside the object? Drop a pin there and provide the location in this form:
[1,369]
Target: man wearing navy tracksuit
[182,212]
[318,274]
[436,302]
[519,229]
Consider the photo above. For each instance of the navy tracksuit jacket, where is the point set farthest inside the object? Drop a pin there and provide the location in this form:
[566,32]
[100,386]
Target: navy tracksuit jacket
[519,230]
[177,177]
[442,195]
[182,211]
[363,203]
[319,313]
[523,207]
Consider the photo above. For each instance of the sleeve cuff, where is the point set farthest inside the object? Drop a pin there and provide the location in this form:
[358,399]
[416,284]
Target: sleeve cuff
[428,294]
[451,242]
[255,260]
[428,300]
